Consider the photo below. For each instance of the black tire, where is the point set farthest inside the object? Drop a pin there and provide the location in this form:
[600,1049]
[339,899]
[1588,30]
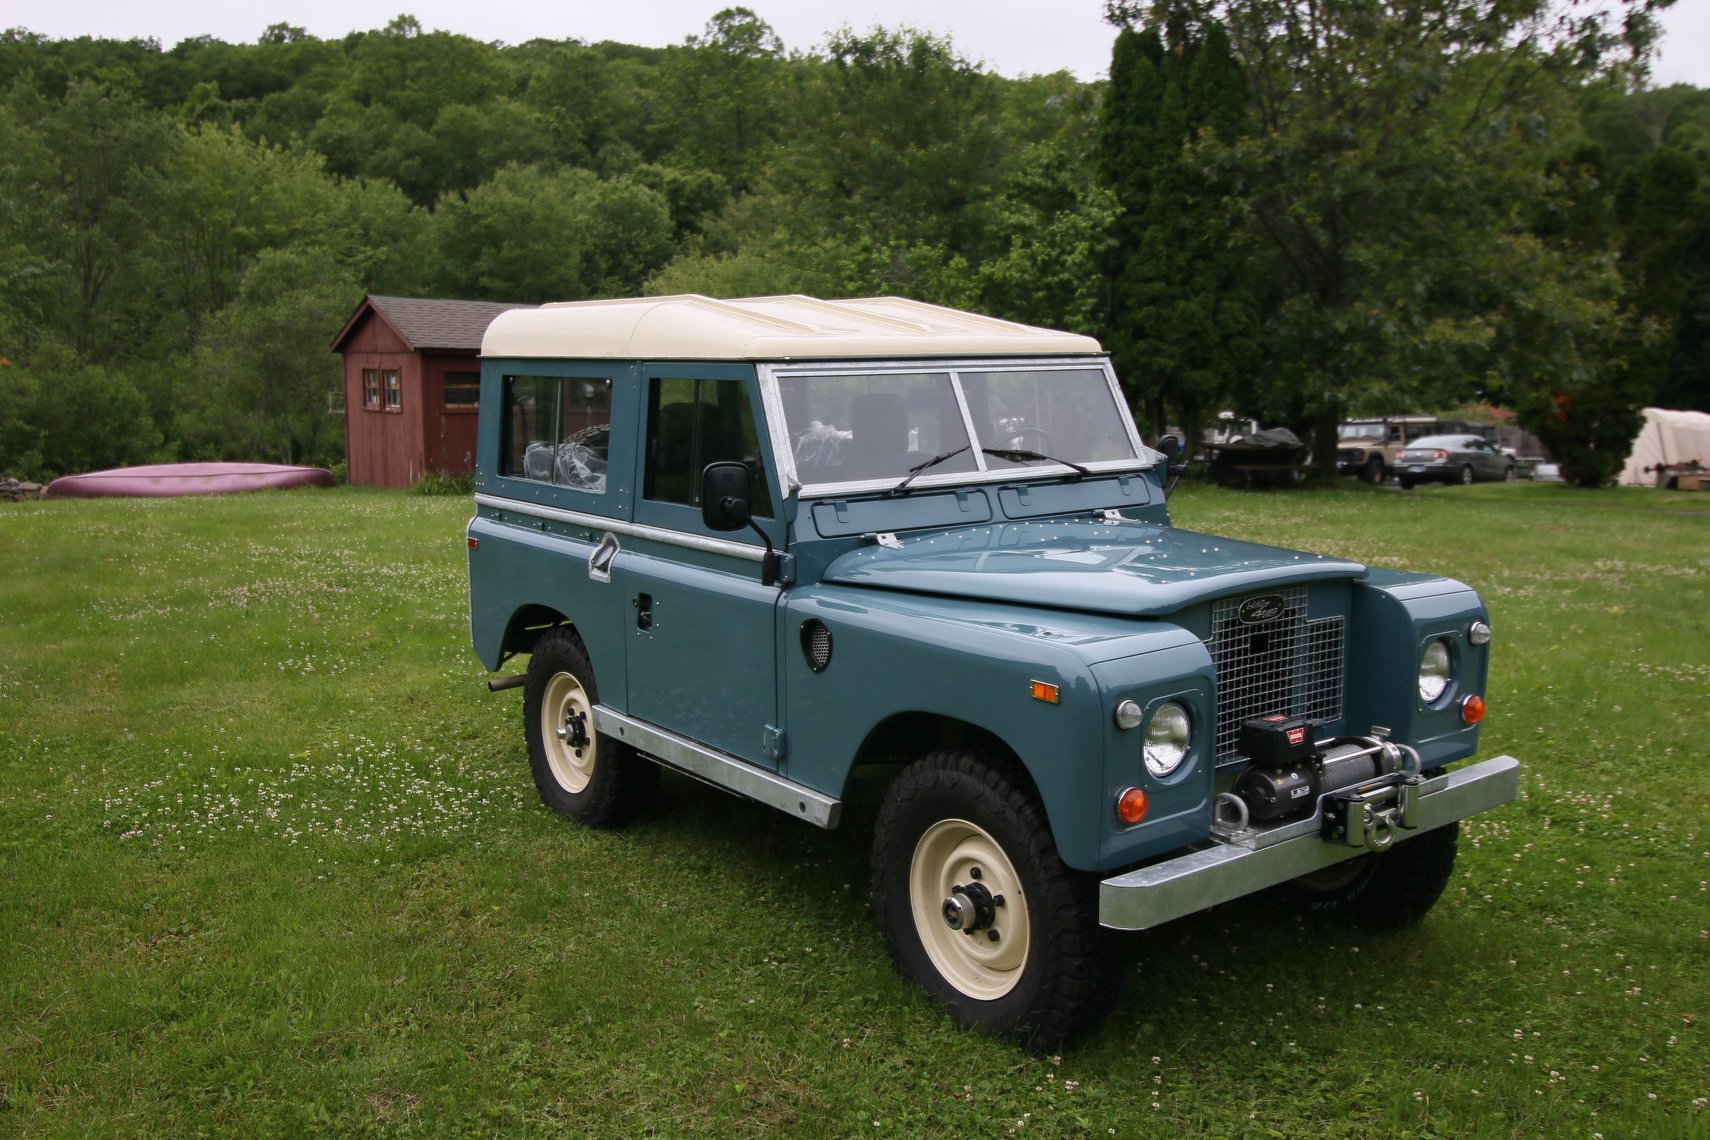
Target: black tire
[1467,475]
[593,779]
[954,819]
[1510,474]
[1406,484]
[1373,472]
[1387,891]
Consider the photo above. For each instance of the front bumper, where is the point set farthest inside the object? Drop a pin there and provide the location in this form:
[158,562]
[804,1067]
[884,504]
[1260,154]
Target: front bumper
[1150,896]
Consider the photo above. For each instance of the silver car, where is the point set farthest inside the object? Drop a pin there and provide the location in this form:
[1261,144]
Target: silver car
[1452,459]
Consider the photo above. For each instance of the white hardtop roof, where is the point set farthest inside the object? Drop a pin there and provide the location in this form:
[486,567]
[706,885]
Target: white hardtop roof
[692,327]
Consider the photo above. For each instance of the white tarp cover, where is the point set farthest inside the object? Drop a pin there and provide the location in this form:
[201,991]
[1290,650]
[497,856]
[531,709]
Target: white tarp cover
[1667,438]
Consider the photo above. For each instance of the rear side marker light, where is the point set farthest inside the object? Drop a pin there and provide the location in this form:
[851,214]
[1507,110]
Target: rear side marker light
[1472,709]
[1043,691]
[474,543]
[1131,805]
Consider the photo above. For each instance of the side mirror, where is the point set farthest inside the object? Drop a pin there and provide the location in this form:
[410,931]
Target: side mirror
[1171,448]
[726,488]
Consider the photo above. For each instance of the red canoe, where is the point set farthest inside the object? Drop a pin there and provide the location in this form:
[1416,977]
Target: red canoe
[166,479]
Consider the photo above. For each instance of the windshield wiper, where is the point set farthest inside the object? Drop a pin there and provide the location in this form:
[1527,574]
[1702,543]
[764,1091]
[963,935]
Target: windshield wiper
[1020,455]
[919,467]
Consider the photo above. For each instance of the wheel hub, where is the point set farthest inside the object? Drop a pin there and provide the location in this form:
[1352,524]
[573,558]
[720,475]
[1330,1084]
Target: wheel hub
[574,730]
[971,907]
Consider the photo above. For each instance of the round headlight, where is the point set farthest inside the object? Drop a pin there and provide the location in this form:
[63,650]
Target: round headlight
[1168,735]
[1434,671]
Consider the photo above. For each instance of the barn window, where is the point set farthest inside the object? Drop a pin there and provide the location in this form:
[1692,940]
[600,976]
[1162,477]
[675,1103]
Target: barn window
[557,429]
[371,388]
[462,390]
[394,389]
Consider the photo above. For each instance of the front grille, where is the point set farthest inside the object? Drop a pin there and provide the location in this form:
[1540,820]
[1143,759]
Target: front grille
[1285,664]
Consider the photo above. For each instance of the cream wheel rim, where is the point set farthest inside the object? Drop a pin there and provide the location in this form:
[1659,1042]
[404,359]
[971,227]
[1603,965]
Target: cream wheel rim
[567,732]
[983,963]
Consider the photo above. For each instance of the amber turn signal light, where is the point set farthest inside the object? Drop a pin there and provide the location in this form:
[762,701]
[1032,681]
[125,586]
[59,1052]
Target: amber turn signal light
[1472,709]
[1131,806]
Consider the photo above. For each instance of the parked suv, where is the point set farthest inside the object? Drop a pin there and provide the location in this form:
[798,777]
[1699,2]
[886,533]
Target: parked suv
[1368,448]
[772,542]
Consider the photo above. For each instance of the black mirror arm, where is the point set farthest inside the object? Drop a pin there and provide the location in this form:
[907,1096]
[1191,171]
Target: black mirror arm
[770,567]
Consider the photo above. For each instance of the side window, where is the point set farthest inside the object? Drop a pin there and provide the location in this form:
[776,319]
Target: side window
[556,430]
[394,389]
[371,388]
[691,423]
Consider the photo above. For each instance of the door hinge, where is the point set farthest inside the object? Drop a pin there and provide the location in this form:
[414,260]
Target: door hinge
[772,742]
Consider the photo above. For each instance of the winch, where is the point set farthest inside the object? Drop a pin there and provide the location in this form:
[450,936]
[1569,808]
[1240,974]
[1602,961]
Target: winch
[1366,783]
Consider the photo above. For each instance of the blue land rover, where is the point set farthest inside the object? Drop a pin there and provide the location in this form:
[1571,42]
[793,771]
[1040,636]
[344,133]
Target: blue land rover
[930,544]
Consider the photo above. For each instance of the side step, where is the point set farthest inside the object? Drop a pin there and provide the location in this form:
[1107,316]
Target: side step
[721,769]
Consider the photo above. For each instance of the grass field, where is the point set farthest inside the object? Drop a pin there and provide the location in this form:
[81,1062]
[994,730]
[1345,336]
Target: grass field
[271,863]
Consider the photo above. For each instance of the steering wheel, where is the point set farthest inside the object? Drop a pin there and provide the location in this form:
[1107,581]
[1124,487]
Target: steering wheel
[1016,440]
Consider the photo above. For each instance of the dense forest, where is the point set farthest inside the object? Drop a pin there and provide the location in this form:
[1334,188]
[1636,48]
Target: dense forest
[1300,211]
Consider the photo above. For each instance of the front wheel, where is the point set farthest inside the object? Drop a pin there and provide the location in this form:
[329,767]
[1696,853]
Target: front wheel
[578,772]
[978,909]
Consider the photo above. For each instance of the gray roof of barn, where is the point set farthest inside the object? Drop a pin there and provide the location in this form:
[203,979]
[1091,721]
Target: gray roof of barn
[432,323]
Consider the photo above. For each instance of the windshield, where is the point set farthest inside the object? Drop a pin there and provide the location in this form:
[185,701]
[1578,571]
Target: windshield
[854,427]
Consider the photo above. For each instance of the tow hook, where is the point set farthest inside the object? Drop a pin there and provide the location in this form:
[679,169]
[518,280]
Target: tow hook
[1369,816]
[970,908]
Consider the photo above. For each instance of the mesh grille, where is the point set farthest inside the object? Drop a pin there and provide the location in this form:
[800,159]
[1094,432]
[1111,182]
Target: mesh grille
[816,645]
[1286,665]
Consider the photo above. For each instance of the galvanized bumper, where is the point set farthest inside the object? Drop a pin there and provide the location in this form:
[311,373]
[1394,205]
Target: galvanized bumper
[1153,895]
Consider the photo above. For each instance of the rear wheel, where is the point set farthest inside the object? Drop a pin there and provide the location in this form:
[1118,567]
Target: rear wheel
[1466,474]
[1510,474]
[1373,472]
[978,909]
[1406,483]
[578,772]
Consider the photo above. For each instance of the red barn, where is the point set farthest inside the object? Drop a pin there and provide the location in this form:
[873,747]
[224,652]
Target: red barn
[412,380]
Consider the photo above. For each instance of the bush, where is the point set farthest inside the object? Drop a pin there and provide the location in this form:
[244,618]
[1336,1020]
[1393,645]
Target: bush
[437,483]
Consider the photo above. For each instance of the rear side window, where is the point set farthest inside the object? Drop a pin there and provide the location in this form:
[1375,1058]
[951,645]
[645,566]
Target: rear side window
[691,423]
[557,430]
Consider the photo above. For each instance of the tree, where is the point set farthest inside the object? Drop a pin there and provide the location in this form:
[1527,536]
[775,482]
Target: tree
[75,178]
[1665,259]
[1181,321]
[533,235]
[722,97]
[263,360]
[1390,144]
[1056,227]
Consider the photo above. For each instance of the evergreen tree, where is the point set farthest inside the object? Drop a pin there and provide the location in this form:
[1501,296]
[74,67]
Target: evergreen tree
[1182,320]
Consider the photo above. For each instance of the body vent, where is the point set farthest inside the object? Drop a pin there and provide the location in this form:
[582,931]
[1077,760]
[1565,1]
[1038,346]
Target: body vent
[1272,660]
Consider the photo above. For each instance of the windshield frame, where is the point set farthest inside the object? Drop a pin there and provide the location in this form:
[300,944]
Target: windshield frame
[772,398]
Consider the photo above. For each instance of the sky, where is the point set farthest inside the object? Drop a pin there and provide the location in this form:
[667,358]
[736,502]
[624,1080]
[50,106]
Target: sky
[1013,37]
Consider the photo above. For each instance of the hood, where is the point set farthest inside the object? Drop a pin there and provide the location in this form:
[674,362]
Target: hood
[1132,568]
